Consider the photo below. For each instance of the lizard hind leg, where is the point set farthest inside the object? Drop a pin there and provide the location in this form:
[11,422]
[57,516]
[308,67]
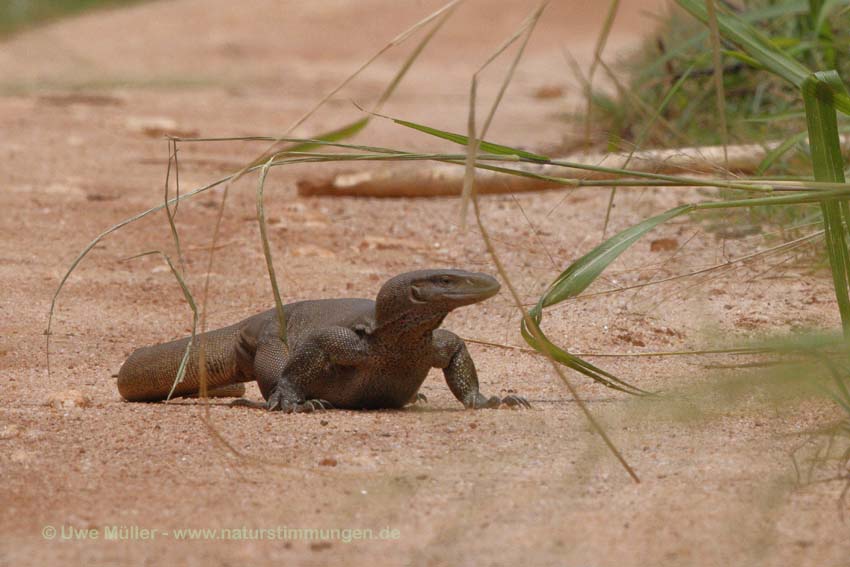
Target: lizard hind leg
[270,360]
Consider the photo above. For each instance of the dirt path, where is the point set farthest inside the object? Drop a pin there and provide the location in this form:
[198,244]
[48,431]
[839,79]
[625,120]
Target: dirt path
[80,102]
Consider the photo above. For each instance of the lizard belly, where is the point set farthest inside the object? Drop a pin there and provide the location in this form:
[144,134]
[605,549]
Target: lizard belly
[370,387]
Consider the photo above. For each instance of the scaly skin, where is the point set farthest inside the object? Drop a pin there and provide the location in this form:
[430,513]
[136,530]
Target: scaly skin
[341,353]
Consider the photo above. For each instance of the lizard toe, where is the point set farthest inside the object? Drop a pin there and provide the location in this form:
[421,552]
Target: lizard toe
[514,401]
[418,398]
[276,403]
[483,402]
[310,406]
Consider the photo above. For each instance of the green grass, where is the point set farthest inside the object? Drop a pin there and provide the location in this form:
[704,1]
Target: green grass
[760,103]
[20,14]
[665,93]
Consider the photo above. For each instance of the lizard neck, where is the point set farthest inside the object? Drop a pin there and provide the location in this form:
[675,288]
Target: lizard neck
[408,325]
[398,315]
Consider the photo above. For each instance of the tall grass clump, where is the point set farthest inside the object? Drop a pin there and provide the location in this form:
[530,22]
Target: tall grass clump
[760,105]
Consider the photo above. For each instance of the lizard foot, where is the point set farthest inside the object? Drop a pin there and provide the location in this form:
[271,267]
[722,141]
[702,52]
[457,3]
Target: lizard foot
[276,403]
[512,401]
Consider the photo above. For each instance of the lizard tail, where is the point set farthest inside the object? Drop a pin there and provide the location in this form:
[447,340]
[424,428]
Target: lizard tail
[148,374]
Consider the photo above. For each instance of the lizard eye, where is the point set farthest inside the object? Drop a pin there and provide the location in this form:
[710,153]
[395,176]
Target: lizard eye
[445,280]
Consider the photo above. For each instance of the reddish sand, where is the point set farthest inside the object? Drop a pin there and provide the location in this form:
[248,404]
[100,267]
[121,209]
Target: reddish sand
[82,106]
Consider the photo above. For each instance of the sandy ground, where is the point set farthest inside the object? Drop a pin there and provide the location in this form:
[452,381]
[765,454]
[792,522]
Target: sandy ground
[80,105]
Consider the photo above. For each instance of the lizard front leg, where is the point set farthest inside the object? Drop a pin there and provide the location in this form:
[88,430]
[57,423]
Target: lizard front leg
[308,366]
[451,355]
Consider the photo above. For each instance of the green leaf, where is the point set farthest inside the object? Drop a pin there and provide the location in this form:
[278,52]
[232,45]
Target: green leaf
[486,147]
[780,151]
[743,57]
[575,279]
[575,363]
[586,269]
[819,92]
[346,131]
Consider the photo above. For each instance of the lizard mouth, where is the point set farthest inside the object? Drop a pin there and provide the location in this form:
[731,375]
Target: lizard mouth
[473,294]
[462,296]
[480,293]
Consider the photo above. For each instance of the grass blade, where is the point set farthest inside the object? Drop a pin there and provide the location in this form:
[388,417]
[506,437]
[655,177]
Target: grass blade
[779,151]
[575,279]
[474,144]
[267,253]
[717,62]
[181,369]
[819,92]
[601,41]
[752,41]
[440,15]
[642,137]
[488,147]
[581,273]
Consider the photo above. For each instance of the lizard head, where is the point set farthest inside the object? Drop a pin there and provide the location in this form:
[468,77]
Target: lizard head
[432,293]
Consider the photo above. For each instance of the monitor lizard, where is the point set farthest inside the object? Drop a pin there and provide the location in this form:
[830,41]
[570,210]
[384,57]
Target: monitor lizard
[340,353]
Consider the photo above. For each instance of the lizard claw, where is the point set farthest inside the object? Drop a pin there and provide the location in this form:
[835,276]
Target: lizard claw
[418,398]
[514,401]
[511,401]
[276,403]
[313,405]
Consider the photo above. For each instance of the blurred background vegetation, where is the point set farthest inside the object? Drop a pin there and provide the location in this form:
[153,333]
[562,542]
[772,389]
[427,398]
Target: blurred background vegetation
[760,105]
[20,14]
[664,94]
